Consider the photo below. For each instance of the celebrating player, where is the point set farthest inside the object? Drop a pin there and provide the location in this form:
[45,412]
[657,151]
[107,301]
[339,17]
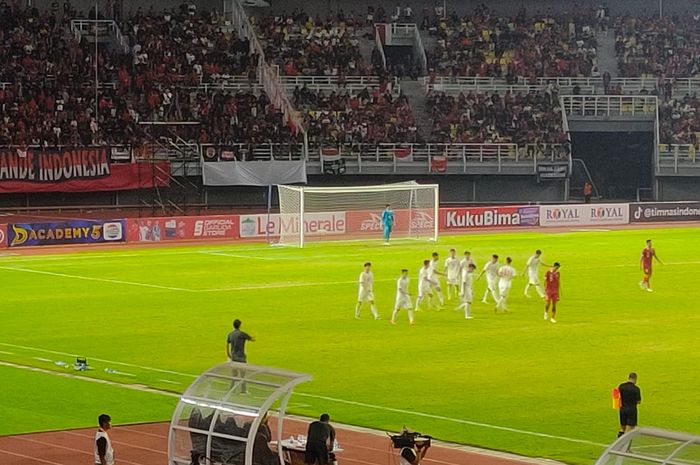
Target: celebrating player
[424,284]
[464,263]
[491,271]
[467,290]
[533,273]
[648,254]
[506,273]
[551,282]
[387,222]
[366,292]
[403,298]
[452,267]
[434,277]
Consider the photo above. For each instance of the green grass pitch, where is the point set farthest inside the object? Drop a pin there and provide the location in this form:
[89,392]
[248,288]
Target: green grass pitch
[509,381]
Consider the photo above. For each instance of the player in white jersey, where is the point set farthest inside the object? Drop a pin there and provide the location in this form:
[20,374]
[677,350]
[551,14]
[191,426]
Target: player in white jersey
[403,298]
[506,273]
[491,272]
[533,273]
[452,268]
[434,277]
[366,292]
[424,284]
[464,263]
[467,290]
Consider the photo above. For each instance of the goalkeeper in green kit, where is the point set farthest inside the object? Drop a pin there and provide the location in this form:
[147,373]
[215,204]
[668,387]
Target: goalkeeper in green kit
[387,222]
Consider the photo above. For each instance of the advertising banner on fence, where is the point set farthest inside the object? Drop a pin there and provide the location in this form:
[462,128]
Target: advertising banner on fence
[3,236]
[75,170]
[664,211]
[66,232]
[182,227]
[315,224]
[601,214]
[469,218]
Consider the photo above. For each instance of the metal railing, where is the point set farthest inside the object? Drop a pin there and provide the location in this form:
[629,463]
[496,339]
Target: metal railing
[677,155]
[456,88]
[85,27]
[245,152]
[349,83]
[394,156]
[638,106]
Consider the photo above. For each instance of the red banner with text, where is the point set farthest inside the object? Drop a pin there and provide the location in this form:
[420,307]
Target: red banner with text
[75,170]
[182,228]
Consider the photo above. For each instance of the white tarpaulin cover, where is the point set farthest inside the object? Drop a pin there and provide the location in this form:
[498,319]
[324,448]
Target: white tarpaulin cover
[253,173]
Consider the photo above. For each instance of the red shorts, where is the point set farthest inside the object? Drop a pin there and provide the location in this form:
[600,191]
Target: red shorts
[647,270]
[552,296]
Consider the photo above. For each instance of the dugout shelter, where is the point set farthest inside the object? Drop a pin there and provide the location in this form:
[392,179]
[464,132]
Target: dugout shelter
[222,417]
[652,446]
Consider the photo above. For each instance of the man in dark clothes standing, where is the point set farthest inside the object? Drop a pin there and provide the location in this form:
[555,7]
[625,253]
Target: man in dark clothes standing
[319,442]
[235,347]
[630,397]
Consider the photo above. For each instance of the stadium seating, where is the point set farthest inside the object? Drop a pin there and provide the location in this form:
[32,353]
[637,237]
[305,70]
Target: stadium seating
[494,118]
[485,45]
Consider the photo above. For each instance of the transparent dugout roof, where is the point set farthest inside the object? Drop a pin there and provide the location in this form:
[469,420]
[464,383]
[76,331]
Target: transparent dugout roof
[647,446]
[222,417]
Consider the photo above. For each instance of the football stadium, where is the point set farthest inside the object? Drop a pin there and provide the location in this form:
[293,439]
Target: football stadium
[284,232]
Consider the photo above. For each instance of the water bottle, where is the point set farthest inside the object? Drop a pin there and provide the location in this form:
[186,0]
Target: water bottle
[336,445]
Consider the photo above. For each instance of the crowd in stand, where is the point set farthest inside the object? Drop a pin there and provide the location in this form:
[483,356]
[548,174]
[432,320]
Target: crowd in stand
[486,45]
[48,95]
[305,45]
[679,121]
[667,47]
[369,117]
[533,118]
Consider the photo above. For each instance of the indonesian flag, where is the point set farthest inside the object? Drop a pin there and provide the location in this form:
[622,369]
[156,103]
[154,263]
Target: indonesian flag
[330,154]
[403,154]
[438,164]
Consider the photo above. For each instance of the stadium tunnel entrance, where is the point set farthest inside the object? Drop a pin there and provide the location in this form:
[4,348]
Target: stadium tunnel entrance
[620,164]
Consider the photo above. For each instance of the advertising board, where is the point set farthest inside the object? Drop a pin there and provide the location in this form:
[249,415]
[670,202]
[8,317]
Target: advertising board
[3,236]
[65,232]
[315,224]
[601,214]
[664,212]
[182,228]
[470,218]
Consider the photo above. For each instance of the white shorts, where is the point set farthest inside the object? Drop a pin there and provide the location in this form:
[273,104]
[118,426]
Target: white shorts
[435,284]
[504,288]
[403,301]
[491,283]
[365,295]
[425,288]
[533,278]
[467,296]
[453,278]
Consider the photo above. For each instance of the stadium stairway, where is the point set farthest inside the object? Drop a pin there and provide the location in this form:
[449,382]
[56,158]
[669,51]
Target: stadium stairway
[416,97]
[607,61]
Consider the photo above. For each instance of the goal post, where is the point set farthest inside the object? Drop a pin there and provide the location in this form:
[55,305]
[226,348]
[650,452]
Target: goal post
[354,212]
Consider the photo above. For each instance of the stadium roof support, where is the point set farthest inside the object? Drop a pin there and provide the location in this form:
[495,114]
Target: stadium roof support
[653,446]
[222,416]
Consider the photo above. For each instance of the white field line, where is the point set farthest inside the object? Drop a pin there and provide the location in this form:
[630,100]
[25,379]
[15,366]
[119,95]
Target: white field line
[33,459]
[134,387]
[169,381]
[90,278]
[246,257]
[314,396]
[282,285]
[42,359]
[6,353]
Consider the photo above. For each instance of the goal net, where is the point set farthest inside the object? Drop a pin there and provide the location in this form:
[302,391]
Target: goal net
[342,213]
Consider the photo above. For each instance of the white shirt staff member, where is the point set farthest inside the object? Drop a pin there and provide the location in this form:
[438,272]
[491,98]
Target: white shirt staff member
[104,454]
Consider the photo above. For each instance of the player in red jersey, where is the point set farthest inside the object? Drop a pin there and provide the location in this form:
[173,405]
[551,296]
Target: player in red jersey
[551,289]
[648,254]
